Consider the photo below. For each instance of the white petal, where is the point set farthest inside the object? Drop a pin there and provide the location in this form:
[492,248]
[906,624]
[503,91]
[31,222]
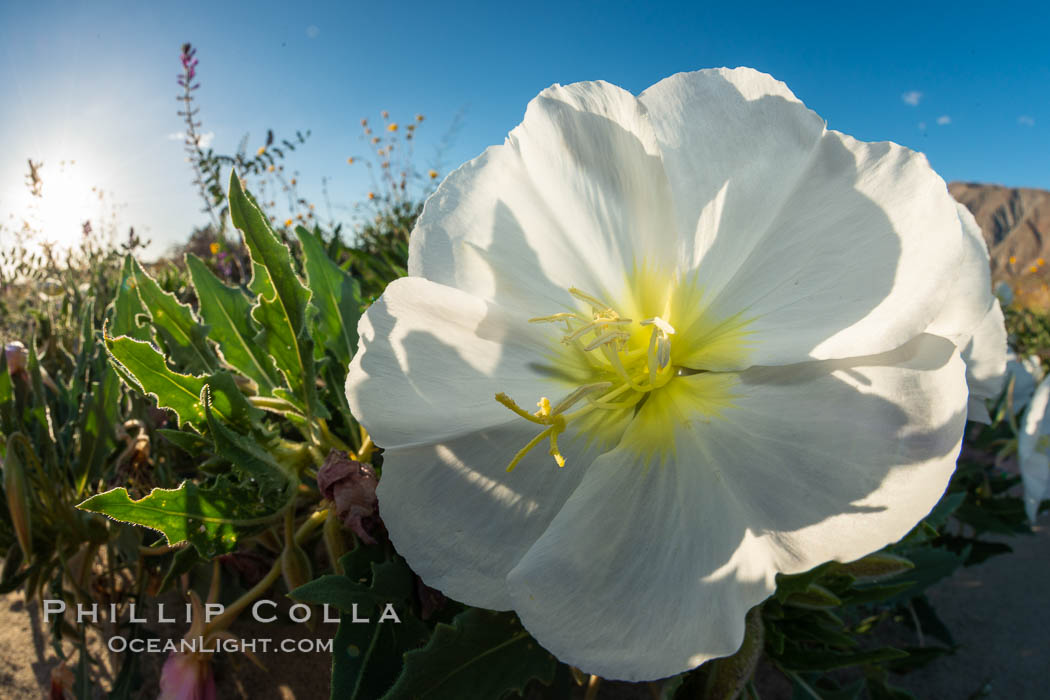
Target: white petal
[461,520]
[1033,448]
[832,247]
[649,569]
[985,357]
[432,358]
[576,196]
[971,295]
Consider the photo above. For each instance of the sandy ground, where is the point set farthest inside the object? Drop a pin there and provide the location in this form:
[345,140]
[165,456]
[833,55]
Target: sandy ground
[998,612]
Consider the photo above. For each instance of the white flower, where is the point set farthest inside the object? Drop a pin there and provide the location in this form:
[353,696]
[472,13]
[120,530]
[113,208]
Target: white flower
[1033,450]
[1026,373]
[1004,293]
[744,349]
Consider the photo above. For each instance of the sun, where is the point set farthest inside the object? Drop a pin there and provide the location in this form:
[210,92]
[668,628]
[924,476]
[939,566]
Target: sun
[58,198]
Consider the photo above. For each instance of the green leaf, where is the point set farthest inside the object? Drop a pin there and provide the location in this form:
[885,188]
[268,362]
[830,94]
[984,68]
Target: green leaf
[227,311]
[127,306]
[813,597]
[281,308]
[246,457]
[826,660]
[98,418]
[797,583]
[212,518]
[183,336]
[335,297]
[367,657]
[481,654]
[185,440]
[7,398]
[143,367]
[931,565]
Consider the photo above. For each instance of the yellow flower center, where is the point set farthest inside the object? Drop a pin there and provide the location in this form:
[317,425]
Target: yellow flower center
[627,370]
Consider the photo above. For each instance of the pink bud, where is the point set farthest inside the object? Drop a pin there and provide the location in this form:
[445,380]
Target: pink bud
[187,677]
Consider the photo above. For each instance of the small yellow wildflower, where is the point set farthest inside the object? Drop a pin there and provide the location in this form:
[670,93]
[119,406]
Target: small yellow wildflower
[1040,262]
[1013,260]
[293,180]
[371,195]
[214,248]
[262,149]
[391,127]
[419,117]
[1033,268]
[269,168]
[350,160]
[287,223]
[433,174]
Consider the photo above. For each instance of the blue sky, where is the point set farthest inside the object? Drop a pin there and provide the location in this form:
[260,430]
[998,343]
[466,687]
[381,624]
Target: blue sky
[95,82]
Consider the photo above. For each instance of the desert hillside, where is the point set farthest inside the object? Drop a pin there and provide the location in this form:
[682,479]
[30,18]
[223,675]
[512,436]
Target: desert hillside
[1016,226]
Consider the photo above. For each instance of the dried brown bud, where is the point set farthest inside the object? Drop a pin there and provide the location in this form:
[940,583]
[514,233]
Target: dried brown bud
[351,486]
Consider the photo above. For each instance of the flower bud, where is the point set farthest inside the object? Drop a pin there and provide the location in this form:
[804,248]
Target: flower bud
[295,566]
[352,487]
[18,501]
[187,676]
[17,356]
[876,566]
[334,542]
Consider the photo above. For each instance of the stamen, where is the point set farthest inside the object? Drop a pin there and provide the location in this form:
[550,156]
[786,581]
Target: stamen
[580,392]
[584,296]
[564,316]
[595,325]
[606,338]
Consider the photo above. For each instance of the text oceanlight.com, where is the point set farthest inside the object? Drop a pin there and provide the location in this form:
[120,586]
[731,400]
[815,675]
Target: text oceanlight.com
[154,645]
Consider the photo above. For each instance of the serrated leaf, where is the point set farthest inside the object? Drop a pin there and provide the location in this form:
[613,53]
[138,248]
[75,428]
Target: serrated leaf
[245,455]
[335,298]
[127,306]
[210,518]
[481,654]
[144,368]
[281,307]
[227,311]
[183,336]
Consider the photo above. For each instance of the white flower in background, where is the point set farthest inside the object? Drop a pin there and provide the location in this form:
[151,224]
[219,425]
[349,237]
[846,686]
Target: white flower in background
[1033,450]
[1004,293]
[1026,373]
[743,334]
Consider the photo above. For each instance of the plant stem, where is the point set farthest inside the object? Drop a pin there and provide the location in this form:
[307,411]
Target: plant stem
[224,620]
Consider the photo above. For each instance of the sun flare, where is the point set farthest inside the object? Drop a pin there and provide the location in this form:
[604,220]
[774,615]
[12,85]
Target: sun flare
[56,201]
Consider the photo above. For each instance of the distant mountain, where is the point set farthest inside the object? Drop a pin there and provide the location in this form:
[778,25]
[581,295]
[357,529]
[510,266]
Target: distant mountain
[1016,225]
